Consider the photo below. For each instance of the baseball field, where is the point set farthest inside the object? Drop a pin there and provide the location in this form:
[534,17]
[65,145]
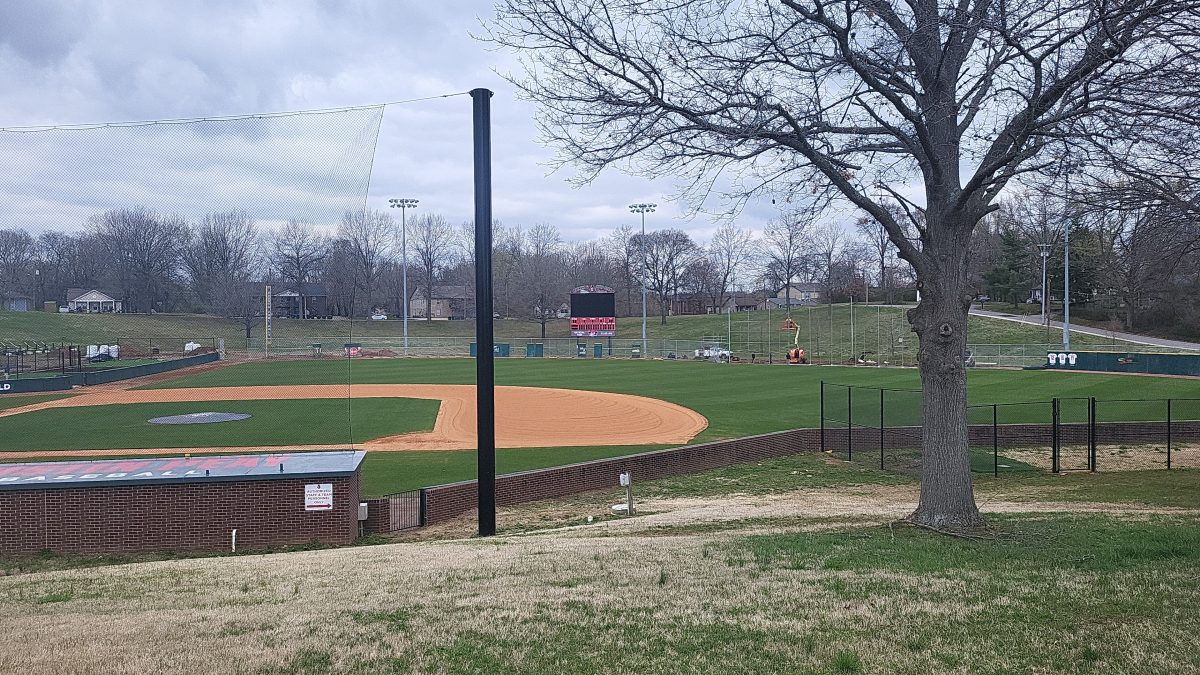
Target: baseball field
[416,416]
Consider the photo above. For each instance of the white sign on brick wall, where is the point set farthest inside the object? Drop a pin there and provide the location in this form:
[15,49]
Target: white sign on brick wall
[318,497]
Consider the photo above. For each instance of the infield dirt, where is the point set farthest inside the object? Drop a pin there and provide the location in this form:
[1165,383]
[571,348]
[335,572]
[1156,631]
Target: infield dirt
[525,416]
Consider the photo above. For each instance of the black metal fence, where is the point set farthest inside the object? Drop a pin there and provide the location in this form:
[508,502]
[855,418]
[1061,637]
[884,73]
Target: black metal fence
[396,512]
[36,359]
[884,426]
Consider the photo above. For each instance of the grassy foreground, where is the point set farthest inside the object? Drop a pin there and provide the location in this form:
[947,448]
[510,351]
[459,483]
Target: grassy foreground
[799,577]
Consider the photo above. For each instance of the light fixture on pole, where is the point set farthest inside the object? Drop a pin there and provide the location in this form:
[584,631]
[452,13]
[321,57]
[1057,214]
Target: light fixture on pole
[643,209]
[1044,250]
[1066,170]
[404,205]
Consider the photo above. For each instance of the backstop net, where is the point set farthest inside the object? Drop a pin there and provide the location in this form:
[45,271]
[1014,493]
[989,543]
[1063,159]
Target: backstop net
[128,250]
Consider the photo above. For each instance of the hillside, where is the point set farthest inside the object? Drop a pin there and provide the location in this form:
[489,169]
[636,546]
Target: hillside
[830,333]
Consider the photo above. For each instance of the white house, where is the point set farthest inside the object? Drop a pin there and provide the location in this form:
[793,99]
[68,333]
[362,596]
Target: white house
[91,301]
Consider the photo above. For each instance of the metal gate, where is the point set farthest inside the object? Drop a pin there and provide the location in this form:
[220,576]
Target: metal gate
[405,510]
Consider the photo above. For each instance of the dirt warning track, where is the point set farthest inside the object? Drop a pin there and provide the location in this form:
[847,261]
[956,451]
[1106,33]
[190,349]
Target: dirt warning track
[526,417]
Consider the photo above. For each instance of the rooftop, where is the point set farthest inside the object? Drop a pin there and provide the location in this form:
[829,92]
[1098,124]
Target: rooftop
[110,472]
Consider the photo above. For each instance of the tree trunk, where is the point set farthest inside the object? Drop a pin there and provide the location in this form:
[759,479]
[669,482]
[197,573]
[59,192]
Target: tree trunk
[940,321]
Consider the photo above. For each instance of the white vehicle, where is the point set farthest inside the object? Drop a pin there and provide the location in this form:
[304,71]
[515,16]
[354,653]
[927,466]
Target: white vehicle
[713,353]
[379,316]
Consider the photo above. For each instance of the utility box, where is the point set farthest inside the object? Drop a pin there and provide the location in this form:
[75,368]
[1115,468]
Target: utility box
[498,349]
[535,350]
[597,351]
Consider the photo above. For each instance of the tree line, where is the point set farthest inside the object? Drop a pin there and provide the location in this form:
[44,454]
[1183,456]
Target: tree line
[156,262]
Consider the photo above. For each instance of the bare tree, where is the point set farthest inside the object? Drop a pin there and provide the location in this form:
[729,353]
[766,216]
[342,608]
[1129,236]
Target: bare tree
[224,249]
[370,235]
[628,259]
[843,99]
[542,275]
[508,250]
[17,254]
[297,253]
[826,245]
[668,253]
[730,249]
[144,249]
[784,243]
[431,240]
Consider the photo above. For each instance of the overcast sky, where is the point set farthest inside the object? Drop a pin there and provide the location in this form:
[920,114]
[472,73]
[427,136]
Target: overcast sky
[71,62]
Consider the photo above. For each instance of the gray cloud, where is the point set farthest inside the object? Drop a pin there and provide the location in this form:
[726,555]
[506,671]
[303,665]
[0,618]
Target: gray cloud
[74,62]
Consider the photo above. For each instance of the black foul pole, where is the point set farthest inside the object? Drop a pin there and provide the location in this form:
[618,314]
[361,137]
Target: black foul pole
[485,379]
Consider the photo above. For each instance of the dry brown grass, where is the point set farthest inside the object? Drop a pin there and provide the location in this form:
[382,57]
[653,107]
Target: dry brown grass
[566,600]
[1114,457]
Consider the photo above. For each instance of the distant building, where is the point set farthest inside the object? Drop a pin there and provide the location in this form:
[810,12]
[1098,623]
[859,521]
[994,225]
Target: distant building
[813,293]
[15,302]
[92,301]
[303,301]
[739,302]
[447,302]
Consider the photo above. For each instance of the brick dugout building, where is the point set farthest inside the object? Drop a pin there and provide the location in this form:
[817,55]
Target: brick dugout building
[180,504]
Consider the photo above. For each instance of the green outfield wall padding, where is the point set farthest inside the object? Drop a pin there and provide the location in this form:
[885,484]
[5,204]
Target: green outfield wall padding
[34,384]
[1125,362]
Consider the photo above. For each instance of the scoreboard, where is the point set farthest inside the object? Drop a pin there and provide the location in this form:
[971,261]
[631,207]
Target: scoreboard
[593,312]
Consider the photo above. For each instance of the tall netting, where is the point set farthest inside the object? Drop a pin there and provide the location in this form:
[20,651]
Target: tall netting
[134,255]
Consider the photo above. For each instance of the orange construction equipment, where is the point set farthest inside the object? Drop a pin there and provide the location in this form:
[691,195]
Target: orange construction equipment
[788,324]
[796,356]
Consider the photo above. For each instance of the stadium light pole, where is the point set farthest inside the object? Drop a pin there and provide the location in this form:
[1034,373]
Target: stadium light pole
[643,208]
[1067,169]
[1044,250]
[404,205]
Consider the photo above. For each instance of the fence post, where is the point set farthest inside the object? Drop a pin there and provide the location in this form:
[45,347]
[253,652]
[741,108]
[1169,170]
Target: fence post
[423,507]
[1168,434]
[995,445]
[1054,435]
[1092,434]
[850,424]
[822,415]
[881,428]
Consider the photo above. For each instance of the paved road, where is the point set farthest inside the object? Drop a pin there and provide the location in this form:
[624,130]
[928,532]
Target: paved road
[1127,337]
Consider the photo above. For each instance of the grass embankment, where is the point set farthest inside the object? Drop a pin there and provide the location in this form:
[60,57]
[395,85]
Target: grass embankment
[282,423]
[829,332]
[797,576]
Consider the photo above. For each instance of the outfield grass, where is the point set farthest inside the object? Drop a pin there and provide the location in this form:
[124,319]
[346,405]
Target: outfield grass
[17,400]
[738,400]
[282,423]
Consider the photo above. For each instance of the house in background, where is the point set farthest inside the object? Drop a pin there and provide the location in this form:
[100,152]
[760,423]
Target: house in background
[447,302]
[810,293]
[91,301]
[689,303]
[739,302]
[302,301]
[16,302]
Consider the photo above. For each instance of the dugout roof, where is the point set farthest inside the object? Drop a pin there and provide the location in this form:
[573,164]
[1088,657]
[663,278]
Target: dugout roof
[112,472]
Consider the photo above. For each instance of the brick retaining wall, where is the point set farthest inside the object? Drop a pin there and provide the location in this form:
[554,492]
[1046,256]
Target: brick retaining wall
[194,516]
[445,502]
